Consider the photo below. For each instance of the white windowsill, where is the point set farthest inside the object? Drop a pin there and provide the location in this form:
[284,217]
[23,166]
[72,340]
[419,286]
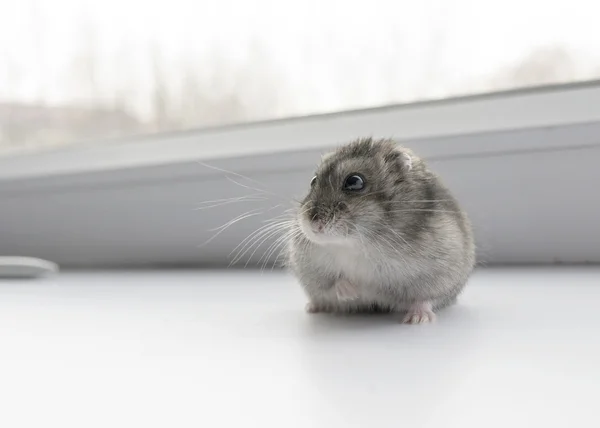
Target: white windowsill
[235,349]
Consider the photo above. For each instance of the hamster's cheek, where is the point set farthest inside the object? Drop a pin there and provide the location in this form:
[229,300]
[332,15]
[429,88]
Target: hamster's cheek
[306,228]
[367,214]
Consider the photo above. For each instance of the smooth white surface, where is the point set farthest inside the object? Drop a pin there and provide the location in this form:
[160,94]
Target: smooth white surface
[202,349]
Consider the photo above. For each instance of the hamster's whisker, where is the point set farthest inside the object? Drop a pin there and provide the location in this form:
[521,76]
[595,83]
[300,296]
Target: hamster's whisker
[243,216]
[256,242]
[393,243]
[247,214]
[290,214]
[282,247]
[223,202]
[304,211]
[275,219]
[293,213]
[249,242]
[271,249]
[428,200]
[417,202]
[382,242]
[403,239]
[257,239]
[397,234]
[295,234]
[245,178]
[236,219]
[265,237]
[372,193]
[274,247]
[275,262]
[366,233]
[422,210]
[221,229]
[386,238]
[270,224]
[266,192]
[256,189]
[225,171]
[214,201]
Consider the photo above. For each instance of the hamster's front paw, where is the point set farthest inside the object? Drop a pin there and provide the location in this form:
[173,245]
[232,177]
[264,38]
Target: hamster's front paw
[345,290]
[419,313]
[315,308]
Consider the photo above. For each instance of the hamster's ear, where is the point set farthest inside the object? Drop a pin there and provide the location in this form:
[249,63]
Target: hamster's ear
[407,161]
[403,157]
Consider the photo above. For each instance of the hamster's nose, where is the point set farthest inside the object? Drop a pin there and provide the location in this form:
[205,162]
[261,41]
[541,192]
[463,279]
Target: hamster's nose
[316,220]
[317,226]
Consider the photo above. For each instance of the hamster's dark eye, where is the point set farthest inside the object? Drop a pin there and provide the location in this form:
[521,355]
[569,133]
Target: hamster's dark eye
[354,183]
[313,181]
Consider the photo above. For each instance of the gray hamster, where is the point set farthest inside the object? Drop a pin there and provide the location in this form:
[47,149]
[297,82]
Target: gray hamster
[378,231]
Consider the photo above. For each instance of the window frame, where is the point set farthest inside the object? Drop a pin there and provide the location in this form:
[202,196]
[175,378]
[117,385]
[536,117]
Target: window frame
[504,126]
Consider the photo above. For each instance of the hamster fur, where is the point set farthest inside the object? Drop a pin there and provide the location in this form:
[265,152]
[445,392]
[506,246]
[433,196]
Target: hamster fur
[378,231]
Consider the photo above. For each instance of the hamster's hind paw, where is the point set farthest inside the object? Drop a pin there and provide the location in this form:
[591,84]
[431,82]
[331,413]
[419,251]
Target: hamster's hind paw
[419,313]
[345,290]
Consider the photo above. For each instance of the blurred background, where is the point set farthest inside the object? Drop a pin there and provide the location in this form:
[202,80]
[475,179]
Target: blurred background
[78,70]
[120,120]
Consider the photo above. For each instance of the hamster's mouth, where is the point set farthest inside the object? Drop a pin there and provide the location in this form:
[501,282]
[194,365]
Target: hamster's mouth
[321,233]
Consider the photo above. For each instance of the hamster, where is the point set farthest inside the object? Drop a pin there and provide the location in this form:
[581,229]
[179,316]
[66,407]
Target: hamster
[378,231]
